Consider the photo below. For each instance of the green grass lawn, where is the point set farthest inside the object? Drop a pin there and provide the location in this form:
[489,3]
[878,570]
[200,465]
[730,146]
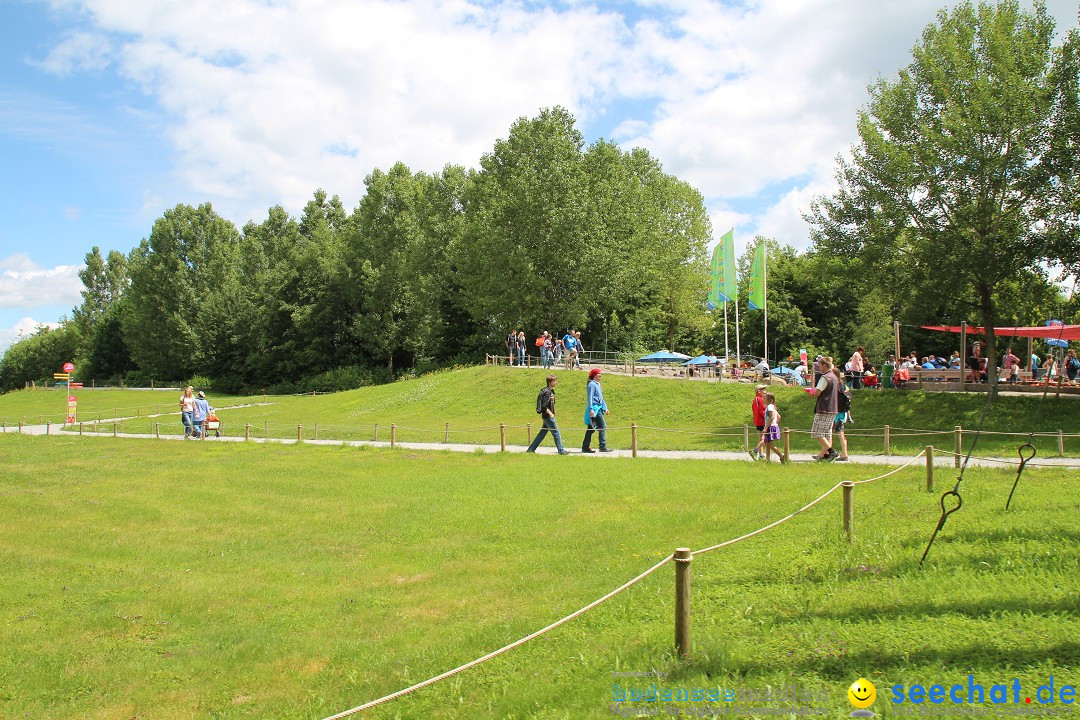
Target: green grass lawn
[672,414]
[161,580]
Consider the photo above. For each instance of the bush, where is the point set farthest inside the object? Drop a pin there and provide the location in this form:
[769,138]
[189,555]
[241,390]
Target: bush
[349,377]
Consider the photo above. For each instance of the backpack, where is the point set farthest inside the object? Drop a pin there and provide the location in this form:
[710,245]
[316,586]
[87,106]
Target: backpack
[843,401]
[1074,364]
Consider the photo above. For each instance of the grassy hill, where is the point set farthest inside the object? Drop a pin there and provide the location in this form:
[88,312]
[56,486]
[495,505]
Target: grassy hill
[672,414]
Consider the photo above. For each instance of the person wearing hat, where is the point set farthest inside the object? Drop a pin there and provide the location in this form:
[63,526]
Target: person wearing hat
[595,410]
[202,410]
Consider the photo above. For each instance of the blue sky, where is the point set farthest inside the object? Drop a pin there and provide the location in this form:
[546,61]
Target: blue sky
[112,111]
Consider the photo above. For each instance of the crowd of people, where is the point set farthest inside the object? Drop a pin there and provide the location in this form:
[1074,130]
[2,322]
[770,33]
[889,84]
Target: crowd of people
[565,350]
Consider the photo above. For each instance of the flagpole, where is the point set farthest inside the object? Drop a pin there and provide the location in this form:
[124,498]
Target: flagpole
[765,293]
[738,348]
[727,355]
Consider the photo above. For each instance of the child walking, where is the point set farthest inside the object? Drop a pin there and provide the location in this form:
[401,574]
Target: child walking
[772,428]
[757,407]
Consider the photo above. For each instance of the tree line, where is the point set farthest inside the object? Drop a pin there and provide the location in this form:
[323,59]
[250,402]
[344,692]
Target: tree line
[960,201]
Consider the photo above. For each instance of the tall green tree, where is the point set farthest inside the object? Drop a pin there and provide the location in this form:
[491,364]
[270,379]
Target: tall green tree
[181,303]
[945,175]
[526,258]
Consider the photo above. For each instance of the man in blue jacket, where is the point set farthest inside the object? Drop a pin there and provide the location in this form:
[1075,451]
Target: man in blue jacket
[595,410]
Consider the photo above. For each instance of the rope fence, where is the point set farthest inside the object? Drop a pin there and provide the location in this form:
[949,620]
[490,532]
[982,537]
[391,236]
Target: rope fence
[874,441]
[682,558]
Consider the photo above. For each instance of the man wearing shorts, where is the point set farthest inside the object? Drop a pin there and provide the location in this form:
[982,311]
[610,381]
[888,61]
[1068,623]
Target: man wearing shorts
[825,409]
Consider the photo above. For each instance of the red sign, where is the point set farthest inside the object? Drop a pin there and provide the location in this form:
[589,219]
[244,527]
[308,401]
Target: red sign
[75,386]
[68,367]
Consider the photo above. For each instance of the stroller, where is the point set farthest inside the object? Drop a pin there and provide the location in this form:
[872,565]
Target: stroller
[212,423]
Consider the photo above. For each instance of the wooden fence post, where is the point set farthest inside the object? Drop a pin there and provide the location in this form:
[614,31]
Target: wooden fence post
[849,508]
[446,434]
[157,430]
[114,428]
[80,429]
[247,432]
[376,432]
[316,432]
[299,433]
[958,441]
[502,437]
[787,444]
[48,427]
[528,432]
[633,439]
[746,437]
[20,426]
[266,429]
[929,468]
[888,440]
[1061,443]
[682,601]
[393,434]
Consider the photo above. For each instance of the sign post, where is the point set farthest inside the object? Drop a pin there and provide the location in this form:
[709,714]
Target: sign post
[72,401]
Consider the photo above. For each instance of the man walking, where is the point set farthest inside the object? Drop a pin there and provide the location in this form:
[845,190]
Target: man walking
[545,405]
[825,409]
[595,410]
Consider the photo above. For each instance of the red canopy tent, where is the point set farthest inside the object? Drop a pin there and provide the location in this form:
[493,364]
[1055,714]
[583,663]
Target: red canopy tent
[1050,332]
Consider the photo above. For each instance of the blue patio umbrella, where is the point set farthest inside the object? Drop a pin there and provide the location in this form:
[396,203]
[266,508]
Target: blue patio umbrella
[664,356]
[699,360]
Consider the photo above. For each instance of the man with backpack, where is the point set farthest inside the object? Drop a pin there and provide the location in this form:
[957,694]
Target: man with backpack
[545,408]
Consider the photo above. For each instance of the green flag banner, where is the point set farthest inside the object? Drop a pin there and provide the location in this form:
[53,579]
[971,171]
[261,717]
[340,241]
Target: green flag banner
[728,289]
[723,288]
[756,293]
[715,280]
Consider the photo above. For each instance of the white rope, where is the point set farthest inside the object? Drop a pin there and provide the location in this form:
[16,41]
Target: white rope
[505,648]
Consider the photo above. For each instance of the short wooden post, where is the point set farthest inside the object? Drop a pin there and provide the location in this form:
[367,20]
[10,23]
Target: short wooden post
[266,429]
[528,432]
[247,432]
[393,434]
[633,439]
[157,430]
[80,429]
[299,433]
[746,437]
[888,440]
[502,437]
[138,412]
[1061,443]
[39,419]
[20,426]
[929,468]
[48,427]
[114,428]
[446,434]
[682,601]
[787,444]
[958,441]
[316,431]
[376,432]
[849,508]
[158,408]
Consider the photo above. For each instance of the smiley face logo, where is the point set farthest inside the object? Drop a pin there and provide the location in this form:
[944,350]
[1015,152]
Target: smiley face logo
[862,693]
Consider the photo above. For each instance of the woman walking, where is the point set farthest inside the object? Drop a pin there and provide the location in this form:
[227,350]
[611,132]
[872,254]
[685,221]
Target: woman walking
[595,410]
[772,428]
[187,410]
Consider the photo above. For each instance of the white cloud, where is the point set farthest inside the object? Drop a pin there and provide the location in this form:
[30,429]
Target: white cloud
[23,328]
[26,285]
[78,51]
[268,101]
